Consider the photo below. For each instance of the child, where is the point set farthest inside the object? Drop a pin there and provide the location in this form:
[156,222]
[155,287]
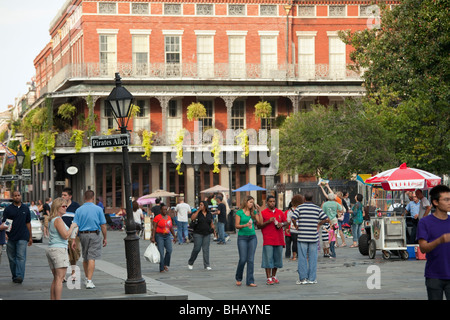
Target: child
[325,242]
[332,238]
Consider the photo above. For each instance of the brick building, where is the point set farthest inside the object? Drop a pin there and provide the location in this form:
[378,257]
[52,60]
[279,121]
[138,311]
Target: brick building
[227,54]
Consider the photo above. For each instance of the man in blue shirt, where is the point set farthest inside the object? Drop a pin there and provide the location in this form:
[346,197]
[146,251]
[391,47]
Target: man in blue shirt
[19,236]
[90,220]
[412,214]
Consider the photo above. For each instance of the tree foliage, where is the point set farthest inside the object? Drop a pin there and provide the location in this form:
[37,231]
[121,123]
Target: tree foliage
[406,65]
[334,143]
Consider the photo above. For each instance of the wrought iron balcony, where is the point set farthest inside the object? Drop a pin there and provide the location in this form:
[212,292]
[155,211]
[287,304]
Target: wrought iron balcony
[207,71]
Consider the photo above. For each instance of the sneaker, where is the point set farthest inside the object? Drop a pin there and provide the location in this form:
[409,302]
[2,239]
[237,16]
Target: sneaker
[190,267]
[301,281]
[208,268]
[275,280]
[312,282]
[227,238]
[269,281]
[90,284]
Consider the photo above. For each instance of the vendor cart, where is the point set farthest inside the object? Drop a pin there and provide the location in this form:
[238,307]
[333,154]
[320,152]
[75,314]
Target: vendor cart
[386,229]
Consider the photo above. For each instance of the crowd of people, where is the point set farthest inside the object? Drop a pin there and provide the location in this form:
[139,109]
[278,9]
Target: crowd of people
[76,230]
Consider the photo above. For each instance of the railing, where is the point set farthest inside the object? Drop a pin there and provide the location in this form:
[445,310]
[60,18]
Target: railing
[256,137]
[216,71]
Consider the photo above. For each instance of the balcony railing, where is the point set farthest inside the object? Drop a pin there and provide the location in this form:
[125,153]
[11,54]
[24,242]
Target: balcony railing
[194,71]
[256,137]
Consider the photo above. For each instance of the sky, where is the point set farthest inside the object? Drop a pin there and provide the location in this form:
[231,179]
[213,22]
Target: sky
[24,32]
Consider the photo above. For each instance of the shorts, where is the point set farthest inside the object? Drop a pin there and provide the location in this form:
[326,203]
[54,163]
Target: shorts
[91,246]
[57,258]
[272,257]
[46,221]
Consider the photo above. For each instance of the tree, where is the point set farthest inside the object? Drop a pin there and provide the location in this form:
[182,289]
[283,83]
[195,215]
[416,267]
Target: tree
[406,72]
[334,143]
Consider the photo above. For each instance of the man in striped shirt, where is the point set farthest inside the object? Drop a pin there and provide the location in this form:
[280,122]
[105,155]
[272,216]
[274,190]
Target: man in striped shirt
[307,219]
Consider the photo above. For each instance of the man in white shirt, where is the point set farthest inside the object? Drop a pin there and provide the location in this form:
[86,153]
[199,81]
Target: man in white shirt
[425,206]
[183,210]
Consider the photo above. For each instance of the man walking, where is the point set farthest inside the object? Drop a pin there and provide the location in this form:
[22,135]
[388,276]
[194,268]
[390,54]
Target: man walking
[17,223]
[308,218]
[72,206]
[273,239]
[90,220]
[183,210]
[221,220]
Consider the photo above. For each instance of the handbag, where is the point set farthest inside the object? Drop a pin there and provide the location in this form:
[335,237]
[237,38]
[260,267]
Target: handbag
[151,254]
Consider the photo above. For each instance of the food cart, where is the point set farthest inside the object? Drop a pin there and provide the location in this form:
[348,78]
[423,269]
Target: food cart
[386,229]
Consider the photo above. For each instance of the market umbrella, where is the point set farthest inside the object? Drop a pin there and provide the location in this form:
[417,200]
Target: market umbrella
[159,194]
[216,188]
[249,187]
[143,201]
[405,178]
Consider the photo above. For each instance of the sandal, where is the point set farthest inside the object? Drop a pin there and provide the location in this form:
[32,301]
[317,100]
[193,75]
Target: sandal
[252,285]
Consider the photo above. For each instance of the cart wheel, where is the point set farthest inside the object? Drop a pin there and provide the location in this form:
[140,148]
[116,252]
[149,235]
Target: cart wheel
[372,249]
[386,254]
[363,244]
[404,255]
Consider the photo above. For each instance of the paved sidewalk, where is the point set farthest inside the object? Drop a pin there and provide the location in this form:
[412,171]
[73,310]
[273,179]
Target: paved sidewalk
[343,278]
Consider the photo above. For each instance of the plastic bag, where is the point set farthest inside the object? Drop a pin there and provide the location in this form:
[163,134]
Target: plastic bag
[151,254]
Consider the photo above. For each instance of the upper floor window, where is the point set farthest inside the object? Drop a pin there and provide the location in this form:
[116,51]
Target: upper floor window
[238,115]
[140,48]
[336,11]
[204,9]
[269,122]
[172,9]
[268,10]
[107,7]
[208,121]
[306,11]
[236,9]
[140,8]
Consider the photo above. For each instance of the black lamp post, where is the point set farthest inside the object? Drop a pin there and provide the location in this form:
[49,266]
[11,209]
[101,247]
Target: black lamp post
[20,157]
[119,101]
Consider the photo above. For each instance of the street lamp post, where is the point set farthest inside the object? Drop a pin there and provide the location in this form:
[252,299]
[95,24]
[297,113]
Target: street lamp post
[20,157]
[119,101]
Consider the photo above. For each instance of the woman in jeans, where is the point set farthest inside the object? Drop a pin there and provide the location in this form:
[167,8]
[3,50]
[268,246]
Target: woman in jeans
[357,219]
[246,217]
[162,228]
[202,234]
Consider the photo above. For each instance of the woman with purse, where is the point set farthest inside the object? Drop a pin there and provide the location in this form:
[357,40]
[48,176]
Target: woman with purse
[162,228]
[203,223]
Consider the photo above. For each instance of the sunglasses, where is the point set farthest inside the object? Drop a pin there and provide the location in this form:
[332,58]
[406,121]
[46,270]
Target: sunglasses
[63,206]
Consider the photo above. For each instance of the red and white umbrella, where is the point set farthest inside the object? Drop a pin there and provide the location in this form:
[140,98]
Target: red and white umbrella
[404,178]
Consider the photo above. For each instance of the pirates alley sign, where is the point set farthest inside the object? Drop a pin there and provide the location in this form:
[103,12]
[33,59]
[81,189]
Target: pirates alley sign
[115,140]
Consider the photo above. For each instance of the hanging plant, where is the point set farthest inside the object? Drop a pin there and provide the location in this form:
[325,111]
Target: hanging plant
[44,146]
[78,136]
[263,109]
[67,111]
[195,111]
[242,139]
[147,143]
[216,149]
[179,149]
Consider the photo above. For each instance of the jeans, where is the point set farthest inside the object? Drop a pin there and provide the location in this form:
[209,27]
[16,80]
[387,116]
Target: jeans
[17,255]
[307,260]
[163,241]
[221,232]
[356,232]
[247,248]
[436,288]
[332,249]
[201,242]
[182,231]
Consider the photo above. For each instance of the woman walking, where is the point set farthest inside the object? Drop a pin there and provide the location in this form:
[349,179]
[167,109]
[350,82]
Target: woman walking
[247,216]
[57,255]
[162,228]
[204,226]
